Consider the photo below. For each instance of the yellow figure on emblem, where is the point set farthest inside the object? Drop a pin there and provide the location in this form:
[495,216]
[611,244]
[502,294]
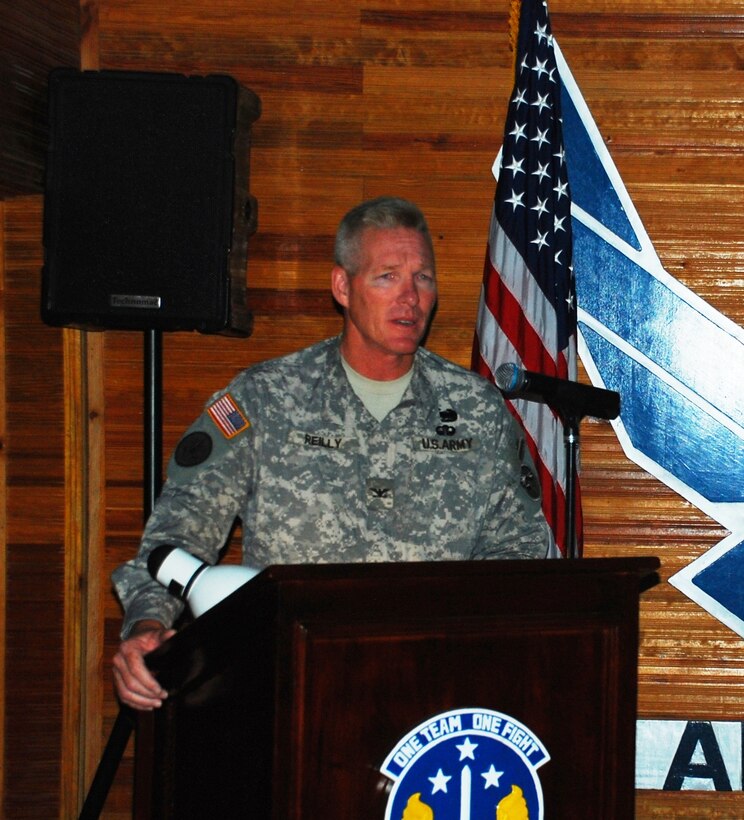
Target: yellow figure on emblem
[417,810]
[513,806]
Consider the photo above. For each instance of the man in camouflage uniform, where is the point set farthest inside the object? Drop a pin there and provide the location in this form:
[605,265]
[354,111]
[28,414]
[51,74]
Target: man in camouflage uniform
[365,447]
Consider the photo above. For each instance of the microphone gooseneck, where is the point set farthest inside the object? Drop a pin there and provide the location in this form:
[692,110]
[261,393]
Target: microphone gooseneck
[568,398]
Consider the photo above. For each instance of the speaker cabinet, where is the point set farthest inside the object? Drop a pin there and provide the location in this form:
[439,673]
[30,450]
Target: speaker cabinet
[147,212]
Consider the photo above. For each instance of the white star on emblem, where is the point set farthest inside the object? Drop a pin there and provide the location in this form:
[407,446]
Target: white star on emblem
[541,240]
[491,777]
[467,749]
[558,224]
[440,782]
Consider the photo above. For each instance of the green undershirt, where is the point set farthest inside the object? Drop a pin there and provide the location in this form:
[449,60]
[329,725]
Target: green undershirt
[377,396]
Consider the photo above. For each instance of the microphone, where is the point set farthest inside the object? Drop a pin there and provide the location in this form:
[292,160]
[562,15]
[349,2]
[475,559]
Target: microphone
[192,580]
[566,397]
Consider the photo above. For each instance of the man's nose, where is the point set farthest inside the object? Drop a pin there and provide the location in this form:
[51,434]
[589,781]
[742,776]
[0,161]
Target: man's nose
[409,294]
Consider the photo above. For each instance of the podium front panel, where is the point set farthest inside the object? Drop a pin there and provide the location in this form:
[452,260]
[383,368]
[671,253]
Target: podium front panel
[289,696]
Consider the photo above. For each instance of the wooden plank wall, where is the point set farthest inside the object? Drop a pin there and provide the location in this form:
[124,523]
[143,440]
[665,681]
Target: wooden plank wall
[35,35]
[34,559]
[359,98]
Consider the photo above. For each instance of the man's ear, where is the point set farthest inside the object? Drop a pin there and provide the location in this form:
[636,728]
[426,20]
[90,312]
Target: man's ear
[340,285]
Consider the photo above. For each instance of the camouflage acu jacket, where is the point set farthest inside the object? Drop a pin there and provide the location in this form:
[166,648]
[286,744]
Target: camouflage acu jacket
[290,450]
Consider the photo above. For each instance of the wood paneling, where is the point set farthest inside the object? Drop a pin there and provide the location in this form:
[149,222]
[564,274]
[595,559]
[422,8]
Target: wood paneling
[411,98]
[360,99]
[35,529]
[35,36]
[3,503]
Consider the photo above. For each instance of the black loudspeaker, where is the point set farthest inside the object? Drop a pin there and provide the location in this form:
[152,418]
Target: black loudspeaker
[147,213]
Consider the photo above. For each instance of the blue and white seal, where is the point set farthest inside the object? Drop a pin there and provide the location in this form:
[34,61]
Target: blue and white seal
[466,764]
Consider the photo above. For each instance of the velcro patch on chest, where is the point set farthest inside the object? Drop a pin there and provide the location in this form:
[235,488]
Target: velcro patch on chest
[326,441]
[447,444]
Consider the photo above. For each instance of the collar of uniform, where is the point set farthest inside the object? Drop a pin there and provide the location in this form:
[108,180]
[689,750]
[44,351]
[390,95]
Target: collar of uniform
[418,409]
[420,403]
[341,403]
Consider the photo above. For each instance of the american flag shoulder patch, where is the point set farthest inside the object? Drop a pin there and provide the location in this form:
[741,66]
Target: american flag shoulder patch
[228,417]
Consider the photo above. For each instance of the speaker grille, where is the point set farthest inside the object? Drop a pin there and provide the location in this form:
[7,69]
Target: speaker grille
[143,201]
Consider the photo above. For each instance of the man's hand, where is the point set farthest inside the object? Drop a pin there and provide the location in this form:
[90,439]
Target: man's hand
[134,682]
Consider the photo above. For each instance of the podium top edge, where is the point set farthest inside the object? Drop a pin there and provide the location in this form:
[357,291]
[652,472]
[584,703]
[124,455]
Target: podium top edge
[640,566]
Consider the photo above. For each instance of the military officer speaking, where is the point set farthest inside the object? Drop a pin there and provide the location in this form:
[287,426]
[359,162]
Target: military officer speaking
[365,447]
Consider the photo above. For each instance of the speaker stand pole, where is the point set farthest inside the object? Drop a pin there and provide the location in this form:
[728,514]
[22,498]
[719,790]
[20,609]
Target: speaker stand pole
[153,467]
[153,418]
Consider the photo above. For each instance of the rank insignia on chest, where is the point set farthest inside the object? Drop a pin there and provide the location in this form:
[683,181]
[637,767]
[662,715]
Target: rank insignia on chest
[380,494]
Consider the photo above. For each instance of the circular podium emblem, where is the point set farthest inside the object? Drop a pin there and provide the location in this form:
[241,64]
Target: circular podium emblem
[466,764]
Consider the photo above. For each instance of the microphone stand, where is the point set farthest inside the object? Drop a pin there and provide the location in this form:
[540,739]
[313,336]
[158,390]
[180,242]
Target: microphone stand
[126,719]
[571,442]
[572,405]
[571,401]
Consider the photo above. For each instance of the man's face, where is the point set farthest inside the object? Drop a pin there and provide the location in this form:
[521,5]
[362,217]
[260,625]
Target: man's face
[389,300]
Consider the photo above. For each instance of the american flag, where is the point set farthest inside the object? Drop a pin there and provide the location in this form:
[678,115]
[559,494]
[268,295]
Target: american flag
[227,416]
[527,312]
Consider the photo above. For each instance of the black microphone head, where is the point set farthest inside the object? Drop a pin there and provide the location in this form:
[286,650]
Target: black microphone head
[508,377]
[156,557]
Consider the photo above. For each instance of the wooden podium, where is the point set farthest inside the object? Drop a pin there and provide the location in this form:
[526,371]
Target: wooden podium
[288,697]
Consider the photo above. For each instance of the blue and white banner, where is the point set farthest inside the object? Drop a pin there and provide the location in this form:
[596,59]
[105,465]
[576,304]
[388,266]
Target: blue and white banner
[689,755]
[677,363]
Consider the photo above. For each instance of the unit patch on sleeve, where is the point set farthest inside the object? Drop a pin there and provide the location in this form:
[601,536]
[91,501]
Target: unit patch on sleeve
[228,417]
[193,449]
[467,763]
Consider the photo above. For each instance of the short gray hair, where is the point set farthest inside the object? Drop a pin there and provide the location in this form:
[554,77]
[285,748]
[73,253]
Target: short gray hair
[382,212]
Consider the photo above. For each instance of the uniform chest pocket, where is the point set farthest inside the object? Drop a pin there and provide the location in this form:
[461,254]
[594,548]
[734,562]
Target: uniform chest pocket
[326,458]
[447,465]
[445,493]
